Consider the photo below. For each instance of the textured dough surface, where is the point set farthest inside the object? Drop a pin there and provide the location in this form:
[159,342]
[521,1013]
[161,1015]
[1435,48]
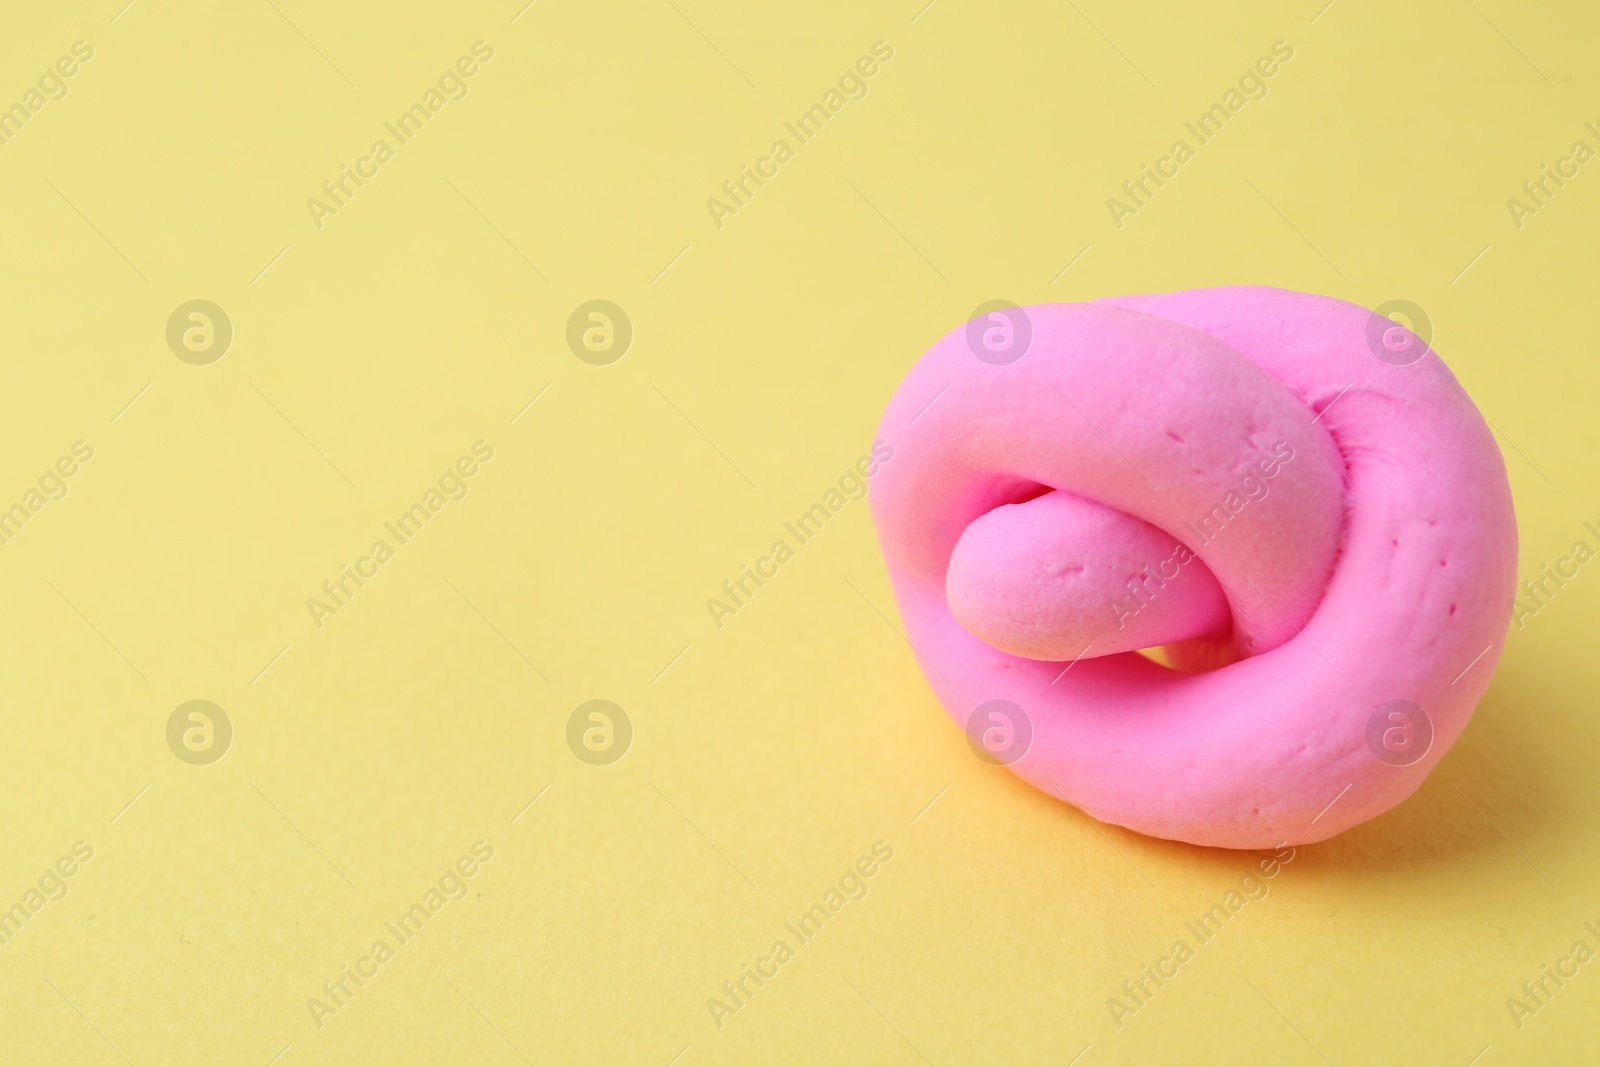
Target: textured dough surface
[1375,562]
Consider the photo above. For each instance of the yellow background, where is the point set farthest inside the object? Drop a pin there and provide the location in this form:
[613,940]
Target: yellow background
[770,754]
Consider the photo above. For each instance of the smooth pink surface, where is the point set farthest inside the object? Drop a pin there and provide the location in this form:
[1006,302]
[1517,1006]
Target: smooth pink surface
[1375,563]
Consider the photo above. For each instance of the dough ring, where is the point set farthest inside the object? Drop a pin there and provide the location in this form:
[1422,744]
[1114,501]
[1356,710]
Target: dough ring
[1288,494]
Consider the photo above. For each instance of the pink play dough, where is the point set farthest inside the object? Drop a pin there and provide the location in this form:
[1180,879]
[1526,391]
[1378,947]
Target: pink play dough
[1232,474]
